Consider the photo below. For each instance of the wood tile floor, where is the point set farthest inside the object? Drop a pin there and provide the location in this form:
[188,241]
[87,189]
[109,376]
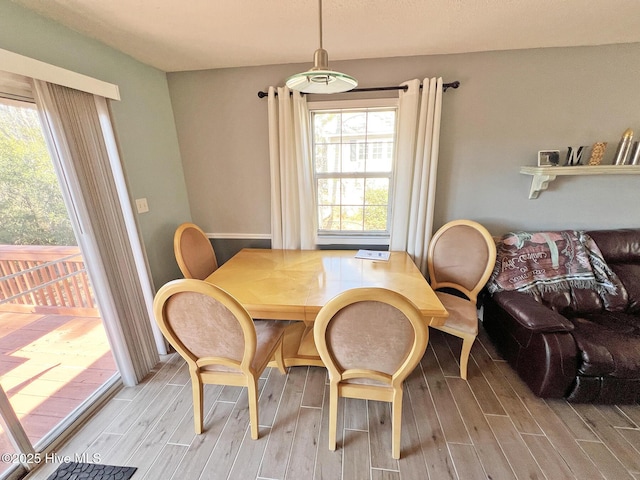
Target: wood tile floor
[488,427]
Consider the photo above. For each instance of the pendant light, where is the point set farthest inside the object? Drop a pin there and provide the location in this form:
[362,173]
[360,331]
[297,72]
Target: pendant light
[320,79]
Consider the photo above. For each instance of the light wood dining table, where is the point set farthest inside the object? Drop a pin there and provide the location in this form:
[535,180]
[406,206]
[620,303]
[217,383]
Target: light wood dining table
[295,284]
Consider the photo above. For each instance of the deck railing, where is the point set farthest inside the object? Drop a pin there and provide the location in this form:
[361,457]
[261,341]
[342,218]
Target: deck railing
[45,279]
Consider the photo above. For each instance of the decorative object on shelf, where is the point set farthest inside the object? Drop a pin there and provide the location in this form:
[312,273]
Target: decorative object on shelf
[623,147]
[597,152]
[634,157]
[574,155]
[548,158]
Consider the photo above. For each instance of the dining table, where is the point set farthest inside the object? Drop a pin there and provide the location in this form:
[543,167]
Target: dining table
[293,285]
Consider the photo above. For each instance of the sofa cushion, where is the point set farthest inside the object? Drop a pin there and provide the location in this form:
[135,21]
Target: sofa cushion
[621,250]
[608,344]
[618,246]
[629,275]
[531,314]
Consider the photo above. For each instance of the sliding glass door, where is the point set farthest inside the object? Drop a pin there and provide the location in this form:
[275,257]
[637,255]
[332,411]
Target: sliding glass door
[54,353]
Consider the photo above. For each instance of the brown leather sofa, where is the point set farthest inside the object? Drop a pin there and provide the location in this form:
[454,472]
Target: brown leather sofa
[575,344]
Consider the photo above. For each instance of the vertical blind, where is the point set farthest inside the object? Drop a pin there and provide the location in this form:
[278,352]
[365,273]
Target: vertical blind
[73,130]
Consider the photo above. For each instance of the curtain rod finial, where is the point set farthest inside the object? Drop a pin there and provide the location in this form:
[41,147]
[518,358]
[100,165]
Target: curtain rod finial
[454,84]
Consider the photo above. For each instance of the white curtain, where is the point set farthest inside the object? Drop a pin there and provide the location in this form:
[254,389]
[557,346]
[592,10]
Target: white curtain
[414,192]
[77,129]
[292,189]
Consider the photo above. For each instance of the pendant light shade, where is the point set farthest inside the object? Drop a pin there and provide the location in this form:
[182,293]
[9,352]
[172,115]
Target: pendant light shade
[320,79]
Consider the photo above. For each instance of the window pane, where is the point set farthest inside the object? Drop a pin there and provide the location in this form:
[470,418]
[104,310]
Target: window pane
[377,191]
[352,218]
[354,123]
[329,218]
[353,191]
[328,191]
[327,127]
[379,156]
[375,218]
[327,158]
[381,122]
[353,157]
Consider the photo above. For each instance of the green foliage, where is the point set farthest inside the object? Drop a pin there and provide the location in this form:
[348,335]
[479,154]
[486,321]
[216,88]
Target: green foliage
[370,217]
[376,210]
[32,211]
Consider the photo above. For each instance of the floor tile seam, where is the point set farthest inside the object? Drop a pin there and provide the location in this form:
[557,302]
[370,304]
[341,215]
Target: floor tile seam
[381,469]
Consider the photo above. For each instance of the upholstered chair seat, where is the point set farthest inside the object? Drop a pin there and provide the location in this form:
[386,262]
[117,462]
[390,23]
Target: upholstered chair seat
[463,314]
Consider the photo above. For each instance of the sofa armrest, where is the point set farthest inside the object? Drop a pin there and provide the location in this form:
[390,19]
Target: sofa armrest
[530,313]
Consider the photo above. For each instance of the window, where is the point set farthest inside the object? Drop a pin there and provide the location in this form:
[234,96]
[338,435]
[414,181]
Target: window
[353,164]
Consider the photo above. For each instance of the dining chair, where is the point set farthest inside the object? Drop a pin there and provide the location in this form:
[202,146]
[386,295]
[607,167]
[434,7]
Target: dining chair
[370,339]
[219,340]
[461,257]
[194,252]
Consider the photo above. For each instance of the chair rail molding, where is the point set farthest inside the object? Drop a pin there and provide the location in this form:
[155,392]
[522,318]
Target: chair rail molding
[239,236]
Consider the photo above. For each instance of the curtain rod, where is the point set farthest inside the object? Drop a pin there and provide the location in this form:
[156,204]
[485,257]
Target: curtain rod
[445,86]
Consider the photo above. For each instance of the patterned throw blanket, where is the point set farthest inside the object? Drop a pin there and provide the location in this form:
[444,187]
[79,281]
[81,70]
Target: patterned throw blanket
[550,261]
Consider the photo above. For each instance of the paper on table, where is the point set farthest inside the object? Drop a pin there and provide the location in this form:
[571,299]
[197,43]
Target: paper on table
[373,255]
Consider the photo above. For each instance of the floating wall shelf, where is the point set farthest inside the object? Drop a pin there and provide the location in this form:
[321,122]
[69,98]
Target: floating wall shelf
[542,176]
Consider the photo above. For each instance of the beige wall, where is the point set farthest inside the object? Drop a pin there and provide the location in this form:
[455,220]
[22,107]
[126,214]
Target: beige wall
[510,105]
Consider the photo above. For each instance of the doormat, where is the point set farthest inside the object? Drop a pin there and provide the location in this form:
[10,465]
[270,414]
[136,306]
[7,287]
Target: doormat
[91,471]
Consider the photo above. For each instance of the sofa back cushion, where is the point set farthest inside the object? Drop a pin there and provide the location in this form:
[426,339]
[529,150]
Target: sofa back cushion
[621,250]
[572,301]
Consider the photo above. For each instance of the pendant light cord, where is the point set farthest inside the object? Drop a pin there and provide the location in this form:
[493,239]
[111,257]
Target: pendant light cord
[320,11]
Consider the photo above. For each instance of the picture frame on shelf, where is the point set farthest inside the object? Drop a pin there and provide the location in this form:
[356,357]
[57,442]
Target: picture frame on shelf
[548,158]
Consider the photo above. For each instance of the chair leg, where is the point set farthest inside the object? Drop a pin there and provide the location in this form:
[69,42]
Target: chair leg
[396,422]
[467,343]
[333,415]
[197,390]
[252,391]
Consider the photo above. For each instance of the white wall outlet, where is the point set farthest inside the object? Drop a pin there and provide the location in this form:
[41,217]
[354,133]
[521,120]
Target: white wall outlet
[142,205]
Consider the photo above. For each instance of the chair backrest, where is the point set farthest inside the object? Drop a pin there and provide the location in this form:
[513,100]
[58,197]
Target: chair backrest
[194,252]
[372,335]
[206,325]
[462,255]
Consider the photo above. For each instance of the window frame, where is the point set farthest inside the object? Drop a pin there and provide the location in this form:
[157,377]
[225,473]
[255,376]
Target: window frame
[355,237]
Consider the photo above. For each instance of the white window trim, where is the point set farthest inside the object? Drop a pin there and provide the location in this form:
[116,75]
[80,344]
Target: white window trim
[354,104]
[342,238]
[355,239]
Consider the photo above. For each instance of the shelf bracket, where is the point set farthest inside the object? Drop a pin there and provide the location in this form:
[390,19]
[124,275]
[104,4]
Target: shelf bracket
[539,183]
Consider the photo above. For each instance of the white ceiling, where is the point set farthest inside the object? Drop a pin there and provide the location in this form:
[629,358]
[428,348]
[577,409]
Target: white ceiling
[178,35]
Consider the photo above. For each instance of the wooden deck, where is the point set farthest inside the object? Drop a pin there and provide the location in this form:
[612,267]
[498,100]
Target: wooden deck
[489,427]
[49,364]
